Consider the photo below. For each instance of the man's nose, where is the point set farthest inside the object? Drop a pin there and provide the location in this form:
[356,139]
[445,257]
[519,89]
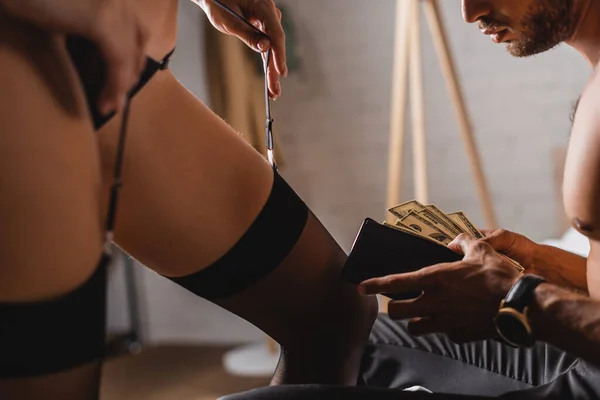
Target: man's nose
[474,9]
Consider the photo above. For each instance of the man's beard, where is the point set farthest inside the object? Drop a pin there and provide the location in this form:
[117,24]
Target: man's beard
[546,24]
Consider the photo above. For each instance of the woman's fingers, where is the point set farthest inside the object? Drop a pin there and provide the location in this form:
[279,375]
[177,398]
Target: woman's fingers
[122,41]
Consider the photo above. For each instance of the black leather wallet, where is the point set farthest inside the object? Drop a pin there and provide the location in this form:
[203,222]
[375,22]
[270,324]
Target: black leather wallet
[380,250]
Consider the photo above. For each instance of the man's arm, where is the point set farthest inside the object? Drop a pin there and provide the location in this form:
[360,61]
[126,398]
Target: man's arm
[557,266]
[560,267]
[461,299]
[567,320]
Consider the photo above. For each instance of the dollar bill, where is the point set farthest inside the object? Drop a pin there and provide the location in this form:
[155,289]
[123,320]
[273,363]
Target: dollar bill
[403,209]
[423,227]
[456,227]
[461,219]
[439,223]
[432,214]
[402,228]
[429,222]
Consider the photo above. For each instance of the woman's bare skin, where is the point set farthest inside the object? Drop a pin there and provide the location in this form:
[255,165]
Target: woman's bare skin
[192,187]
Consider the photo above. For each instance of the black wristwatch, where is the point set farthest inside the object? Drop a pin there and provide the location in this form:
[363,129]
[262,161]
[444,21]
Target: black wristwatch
[512,323]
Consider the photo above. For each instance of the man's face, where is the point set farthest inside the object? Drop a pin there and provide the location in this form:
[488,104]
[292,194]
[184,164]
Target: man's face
[526,27]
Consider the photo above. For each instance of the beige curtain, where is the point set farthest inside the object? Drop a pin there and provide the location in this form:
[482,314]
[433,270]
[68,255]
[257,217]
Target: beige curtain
[236,88]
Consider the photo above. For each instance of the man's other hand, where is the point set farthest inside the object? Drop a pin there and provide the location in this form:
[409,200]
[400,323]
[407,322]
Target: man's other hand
[513,245]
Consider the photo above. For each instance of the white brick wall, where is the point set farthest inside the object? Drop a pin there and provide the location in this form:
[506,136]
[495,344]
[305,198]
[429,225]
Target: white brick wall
[333,118]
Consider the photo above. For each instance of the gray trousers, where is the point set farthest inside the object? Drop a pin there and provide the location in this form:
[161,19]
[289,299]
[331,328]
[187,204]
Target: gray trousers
[394,360]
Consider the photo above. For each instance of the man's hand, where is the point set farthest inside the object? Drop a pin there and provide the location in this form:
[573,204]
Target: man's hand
[459,299]
[556,265]
[512,245]
[265,16]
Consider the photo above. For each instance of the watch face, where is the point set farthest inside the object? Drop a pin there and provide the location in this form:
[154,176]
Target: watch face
[513,330]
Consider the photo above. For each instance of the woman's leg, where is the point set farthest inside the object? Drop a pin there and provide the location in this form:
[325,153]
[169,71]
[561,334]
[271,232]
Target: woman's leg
[51,292]
[192,189]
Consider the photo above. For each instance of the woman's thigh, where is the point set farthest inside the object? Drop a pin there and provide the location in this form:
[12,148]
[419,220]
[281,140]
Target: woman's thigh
[193,187]
[50,227]
[51,231]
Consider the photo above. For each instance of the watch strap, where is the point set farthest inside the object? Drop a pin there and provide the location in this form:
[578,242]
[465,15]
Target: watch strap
[521,294]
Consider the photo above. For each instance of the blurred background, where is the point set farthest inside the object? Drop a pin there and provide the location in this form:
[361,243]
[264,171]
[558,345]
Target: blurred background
[332,125]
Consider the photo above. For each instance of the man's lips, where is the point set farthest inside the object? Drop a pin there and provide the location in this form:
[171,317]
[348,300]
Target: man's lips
[490,31]
[497,34]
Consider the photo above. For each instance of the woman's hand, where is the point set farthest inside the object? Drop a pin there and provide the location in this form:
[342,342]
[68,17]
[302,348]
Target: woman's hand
[112,25]
[266,17]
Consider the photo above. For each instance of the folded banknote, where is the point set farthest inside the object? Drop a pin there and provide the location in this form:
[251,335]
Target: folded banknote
[417,239]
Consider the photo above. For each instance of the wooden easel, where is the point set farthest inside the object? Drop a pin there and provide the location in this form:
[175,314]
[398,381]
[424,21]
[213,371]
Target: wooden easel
[408,62]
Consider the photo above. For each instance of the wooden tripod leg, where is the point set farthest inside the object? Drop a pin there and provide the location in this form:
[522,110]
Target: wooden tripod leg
[417,100]
[399,101]
[438,34]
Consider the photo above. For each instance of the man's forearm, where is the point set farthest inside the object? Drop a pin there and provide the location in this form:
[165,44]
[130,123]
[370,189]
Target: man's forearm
[567,320]
[560,267]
